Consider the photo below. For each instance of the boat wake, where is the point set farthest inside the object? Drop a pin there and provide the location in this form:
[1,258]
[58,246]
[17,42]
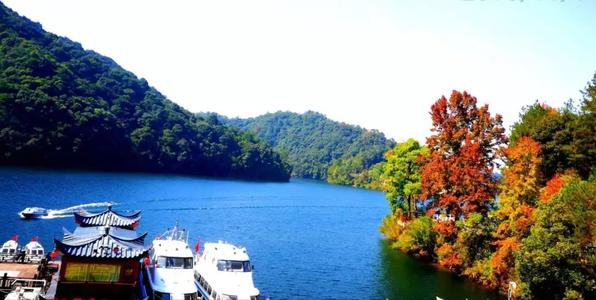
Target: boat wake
[67,212]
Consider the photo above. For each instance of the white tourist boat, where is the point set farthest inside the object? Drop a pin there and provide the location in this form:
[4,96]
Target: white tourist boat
[169,269]
[33,213]
[34,251]
[223,272]
[10,250]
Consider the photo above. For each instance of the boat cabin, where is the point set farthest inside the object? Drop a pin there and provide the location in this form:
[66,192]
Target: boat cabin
[34,252]
[224,271]
[169,268]
[10,250]
[100,262]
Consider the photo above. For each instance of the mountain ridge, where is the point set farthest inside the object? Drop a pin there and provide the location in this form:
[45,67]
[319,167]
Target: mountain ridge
[314,144]
[64,106]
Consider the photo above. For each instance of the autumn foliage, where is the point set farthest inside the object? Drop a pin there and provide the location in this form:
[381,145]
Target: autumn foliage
[463,147]
[554,186]
[522,173]
[534,226]
[448,257]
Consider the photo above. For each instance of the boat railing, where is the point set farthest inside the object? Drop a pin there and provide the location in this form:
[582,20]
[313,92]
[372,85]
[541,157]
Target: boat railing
[175,233]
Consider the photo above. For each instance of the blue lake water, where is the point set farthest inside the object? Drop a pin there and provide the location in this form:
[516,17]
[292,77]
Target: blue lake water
[306,239]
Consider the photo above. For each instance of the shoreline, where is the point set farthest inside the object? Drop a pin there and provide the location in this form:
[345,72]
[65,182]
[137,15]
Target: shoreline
[435,265]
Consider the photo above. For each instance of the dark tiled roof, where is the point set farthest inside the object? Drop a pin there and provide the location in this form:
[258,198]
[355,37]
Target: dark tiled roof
[103,242]
[107,218]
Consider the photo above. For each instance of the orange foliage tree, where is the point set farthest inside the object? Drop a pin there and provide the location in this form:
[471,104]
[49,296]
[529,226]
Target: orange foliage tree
[555,184]
[520,189]
[458,175]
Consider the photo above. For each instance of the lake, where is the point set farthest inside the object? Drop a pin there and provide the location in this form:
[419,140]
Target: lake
[307,239]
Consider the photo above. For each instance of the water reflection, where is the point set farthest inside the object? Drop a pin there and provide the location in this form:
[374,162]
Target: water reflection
[404,277]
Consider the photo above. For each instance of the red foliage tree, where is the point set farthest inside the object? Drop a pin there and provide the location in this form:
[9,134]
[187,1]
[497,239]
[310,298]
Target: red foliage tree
[463,148]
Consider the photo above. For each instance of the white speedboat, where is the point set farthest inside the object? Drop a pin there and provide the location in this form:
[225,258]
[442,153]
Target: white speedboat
[10,250]
[169,268]
[34,252]
[33,213]
[223,272]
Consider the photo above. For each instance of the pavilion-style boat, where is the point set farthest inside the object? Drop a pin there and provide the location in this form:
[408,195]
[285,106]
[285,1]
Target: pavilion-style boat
[100,258]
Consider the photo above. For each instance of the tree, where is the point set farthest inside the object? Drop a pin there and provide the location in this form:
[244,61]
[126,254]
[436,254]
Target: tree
[62,106]
[522,176]
[317,147]
[519,193]
[584,139]
[401,175]
[552,129]
[565,135]
[463,148]
[474,238]
[418,237]
[558,257]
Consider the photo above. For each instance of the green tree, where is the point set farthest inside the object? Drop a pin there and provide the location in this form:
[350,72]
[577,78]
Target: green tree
[418,237]
[63,106]
[317,147]
[401,176]
[558,257]
[583,157]
[565,135]
[474,238]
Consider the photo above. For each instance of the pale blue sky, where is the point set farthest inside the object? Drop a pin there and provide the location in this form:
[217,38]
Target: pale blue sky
[378,64]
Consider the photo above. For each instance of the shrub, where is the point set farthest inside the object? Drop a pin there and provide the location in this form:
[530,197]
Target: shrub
[418,237]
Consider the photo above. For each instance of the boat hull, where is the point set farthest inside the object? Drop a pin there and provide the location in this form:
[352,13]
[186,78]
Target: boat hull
[33,216]
[152,292]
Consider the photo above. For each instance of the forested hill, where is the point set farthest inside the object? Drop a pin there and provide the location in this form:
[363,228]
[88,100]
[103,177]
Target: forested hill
[317,147]
[63,106]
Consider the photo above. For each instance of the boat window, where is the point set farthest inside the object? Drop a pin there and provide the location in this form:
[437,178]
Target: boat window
[5,251]
[233,265]
[161,262]
[162,296]
[175,262]
[190,296]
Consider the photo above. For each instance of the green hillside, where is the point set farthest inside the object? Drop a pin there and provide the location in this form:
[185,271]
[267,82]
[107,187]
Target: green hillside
[63,106]
[317,147]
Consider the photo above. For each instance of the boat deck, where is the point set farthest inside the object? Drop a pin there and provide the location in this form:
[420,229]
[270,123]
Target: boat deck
[16,270]
[11,272]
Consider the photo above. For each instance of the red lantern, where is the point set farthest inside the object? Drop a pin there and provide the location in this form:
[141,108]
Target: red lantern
[54,254]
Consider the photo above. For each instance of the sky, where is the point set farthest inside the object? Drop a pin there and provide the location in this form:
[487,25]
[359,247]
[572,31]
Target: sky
[376,64]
